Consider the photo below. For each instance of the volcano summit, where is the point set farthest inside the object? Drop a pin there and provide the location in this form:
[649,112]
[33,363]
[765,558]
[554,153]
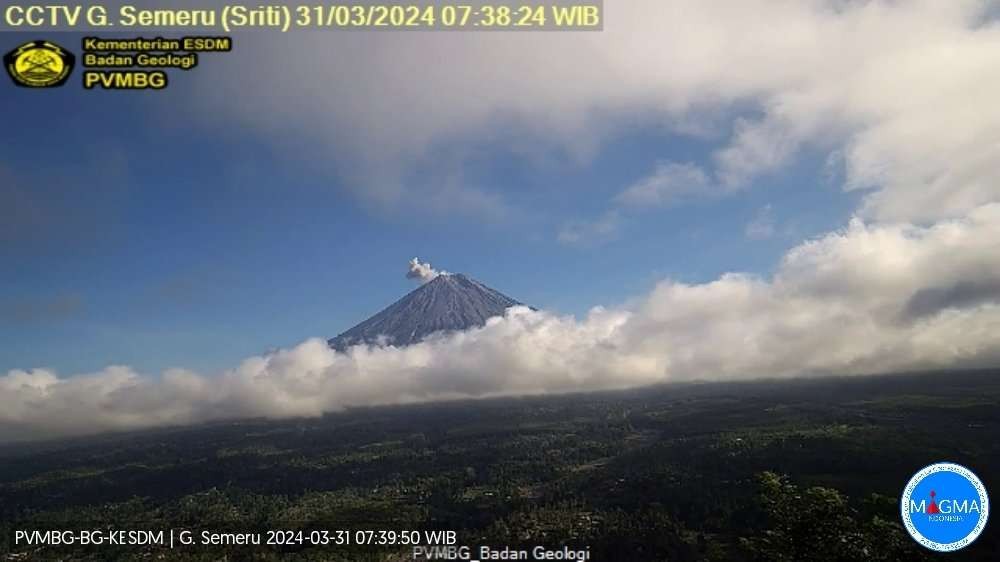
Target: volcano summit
[448,302]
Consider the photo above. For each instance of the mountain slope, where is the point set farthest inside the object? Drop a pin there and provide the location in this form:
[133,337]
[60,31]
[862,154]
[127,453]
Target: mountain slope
[448,302]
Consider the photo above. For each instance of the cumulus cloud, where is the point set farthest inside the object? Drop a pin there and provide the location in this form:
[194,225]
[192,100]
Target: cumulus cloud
[869,298]
[422,271]
[906,91]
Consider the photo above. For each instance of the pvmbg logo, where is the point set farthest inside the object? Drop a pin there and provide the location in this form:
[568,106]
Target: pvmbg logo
[39,64]
[945,507]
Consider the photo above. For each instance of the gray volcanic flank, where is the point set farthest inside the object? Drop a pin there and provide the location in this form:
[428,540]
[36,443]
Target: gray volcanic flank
[447,302]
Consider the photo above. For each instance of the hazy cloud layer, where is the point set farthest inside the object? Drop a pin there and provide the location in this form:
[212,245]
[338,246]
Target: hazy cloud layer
[583,232]
[761,226]
[855,301]
[40,311]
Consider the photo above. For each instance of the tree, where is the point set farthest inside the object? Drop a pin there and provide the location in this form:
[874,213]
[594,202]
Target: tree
[819,524]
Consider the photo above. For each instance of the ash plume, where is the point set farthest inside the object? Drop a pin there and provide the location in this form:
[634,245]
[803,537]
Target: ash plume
[422,271]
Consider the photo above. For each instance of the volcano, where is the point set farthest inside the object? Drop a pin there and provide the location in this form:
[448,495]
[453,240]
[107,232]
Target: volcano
[449,302]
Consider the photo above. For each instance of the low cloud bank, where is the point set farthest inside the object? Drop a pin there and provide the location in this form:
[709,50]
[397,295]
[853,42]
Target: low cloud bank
[865,299]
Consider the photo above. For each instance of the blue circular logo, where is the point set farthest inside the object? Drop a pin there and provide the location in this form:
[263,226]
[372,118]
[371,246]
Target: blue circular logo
[945,507]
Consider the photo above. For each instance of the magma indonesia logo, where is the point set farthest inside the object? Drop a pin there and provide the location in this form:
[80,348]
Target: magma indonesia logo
[945,507]
[39,64]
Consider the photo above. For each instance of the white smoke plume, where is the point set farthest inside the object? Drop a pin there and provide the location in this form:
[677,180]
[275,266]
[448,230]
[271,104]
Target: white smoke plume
[422,271]
[870,298]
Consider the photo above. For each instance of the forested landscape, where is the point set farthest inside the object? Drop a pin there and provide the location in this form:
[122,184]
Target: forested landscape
[773,470]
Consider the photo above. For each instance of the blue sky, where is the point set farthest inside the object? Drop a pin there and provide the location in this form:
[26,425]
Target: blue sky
[158,244]
[276,193]
[174,256]
[153,238]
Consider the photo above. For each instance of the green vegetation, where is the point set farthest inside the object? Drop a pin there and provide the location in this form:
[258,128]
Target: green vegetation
[791,470]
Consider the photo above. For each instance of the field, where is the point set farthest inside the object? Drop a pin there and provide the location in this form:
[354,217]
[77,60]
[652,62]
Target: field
[771,470]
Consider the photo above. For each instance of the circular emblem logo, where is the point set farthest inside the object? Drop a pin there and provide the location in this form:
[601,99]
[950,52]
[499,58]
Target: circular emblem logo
[39,64]
[945,507]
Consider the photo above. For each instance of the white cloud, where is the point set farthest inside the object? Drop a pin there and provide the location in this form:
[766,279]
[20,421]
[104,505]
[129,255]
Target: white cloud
[871,298]
[669,182]
[756,148]
[907,90]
